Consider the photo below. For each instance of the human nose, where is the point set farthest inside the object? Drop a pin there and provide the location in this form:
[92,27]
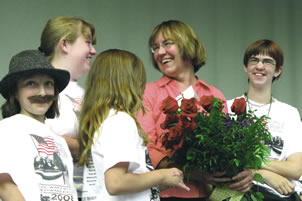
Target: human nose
[45,90]
[42,91]
[260,65]
[161,49]
[92,50]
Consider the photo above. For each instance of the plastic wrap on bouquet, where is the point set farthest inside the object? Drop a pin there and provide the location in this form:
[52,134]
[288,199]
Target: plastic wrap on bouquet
[222,193]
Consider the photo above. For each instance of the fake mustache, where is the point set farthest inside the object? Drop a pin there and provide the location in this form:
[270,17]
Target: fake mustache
[41,99]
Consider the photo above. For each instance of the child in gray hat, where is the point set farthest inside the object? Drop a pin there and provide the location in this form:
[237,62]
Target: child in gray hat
[35,163]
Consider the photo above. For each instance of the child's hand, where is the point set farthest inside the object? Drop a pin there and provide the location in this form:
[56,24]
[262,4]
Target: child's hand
[173,177]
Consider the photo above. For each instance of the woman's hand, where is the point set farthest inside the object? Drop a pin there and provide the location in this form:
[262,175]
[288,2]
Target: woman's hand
[208,178]
[243,181]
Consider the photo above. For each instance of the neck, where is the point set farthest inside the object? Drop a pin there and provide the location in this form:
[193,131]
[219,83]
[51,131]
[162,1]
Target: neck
[185,83]
[261,96]
[60,63]
[40,118]
[186,78]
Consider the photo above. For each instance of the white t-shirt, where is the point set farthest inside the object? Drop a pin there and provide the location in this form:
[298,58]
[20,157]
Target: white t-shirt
[67,123]
[38,160]
[117,140]
[285,127]
[70,100]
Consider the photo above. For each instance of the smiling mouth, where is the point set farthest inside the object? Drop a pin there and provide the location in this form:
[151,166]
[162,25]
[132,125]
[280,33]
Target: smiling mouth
[166,61]
[259,74]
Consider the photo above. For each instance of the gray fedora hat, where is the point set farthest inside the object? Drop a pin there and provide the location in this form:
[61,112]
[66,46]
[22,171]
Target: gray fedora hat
[31,62]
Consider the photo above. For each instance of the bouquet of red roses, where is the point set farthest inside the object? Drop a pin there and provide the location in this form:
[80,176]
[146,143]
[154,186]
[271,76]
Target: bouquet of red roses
[212,140]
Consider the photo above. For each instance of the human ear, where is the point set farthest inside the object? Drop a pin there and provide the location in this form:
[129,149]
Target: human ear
[63,44]
[278,72]
[245,68]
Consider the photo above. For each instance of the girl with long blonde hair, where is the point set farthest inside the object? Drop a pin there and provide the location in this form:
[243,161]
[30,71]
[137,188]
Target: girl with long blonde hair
[112,143]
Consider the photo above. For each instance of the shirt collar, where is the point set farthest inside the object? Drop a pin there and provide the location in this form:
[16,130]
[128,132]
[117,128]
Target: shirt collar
[164,80]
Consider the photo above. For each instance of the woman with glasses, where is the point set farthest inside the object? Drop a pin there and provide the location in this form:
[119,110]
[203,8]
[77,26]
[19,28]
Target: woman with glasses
[263,63]
[178,54]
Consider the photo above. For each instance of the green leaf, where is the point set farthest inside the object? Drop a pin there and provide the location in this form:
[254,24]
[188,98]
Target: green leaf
[253,197]
[257,177]
[191,154]
[259,195]
[243,199]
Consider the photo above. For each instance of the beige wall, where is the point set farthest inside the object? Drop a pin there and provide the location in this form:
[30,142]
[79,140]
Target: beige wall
[226,27]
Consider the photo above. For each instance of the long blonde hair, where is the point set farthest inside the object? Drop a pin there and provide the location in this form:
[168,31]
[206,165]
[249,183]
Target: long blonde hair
[116,80]
[68,27]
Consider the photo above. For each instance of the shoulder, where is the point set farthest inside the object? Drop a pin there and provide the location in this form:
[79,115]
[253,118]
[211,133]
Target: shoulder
[210,89]
[118,125]
[152,86]
[72,88]
[119,119]
[159,84]
[13,121]
[284,107]
[157,91]
[230,101]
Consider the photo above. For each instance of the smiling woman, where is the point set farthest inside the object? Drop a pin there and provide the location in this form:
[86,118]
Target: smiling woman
[178,54]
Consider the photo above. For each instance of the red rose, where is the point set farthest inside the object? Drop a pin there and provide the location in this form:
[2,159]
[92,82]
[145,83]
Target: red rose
[239,106]
[178,145]
[171,119]
[169,105]
[206,102]
[188,124]
[176,138]
[189,107]
[173,139]
[174,133]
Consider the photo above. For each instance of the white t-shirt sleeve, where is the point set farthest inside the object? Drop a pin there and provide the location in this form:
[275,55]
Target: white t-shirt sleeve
[121,142]
[294,138]
[8,148]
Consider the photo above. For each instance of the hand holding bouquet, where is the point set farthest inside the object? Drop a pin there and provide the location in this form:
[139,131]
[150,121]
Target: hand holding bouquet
[212,140]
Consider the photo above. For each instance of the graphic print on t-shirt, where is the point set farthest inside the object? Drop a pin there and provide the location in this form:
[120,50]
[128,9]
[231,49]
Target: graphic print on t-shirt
[76,103]
[154,196]
[52,173]
[277,143]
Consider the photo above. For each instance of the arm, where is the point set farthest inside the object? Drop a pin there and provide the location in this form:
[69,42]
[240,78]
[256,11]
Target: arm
[73,145]
[148,122]
[291,168]
[9,191]
[119,181]
[276,181]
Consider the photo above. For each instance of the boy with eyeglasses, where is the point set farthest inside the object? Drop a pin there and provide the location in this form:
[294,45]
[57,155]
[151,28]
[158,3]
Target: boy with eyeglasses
[263,63]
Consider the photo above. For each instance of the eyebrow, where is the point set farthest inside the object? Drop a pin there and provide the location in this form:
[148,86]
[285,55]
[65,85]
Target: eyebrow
[163,41]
